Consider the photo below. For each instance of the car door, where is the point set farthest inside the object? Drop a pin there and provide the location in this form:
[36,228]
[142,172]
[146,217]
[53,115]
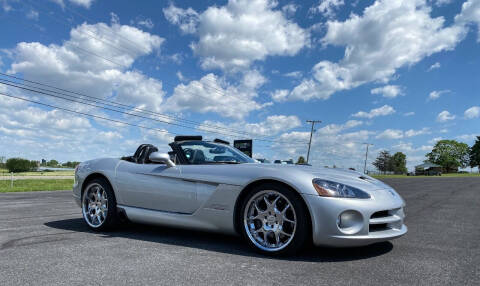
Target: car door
[155,187]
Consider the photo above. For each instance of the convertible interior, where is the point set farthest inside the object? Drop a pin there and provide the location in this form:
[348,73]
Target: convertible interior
[192,150]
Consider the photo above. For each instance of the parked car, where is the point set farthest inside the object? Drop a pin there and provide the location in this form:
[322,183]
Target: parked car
[212,186]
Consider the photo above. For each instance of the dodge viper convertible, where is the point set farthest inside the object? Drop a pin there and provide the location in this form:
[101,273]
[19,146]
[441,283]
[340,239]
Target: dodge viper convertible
[277,208]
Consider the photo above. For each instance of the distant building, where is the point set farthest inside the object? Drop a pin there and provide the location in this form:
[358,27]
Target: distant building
[428,169]
[44,162]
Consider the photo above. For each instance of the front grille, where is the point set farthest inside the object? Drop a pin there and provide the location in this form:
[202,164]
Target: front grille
[386,220]
[380,214]
[379,227]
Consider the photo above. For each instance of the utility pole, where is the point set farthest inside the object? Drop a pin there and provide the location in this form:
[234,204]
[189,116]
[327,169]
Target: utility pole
[311,133]
[366,156]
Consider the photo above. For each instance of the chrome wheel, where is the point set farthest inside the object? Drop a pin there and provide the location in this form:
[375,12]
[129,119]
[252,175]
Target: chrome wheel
[270,220]
[95,205]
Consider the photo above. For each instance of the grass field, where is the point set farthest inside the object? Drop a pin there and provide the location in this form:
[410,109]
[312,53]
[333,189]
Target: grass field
[35,185]
[4,172]
[443,175]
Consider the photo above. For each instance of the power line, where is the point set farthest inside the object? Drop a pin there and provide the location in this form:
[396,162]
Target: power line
[89,34]
[202,125]
[56,94]
[87,114]
[116,104]
[133,114]
[163,81]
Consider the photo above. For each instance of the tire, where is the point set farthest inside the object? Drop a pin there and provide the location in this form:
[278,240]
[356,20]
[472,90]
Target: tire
[268,228]
[102,214]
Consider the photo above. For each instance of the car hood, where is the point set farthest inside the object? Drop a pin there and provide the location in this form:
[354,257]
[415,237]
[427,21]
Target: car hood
[343,176]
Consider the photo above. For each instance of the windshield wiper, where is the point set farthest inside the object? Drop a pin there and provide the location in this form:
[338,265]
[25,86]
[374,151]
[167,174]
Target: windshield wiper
[225,162]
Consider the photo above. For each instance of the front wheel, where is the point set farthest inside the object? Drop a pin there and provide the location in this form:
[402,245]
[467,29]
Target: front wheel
[99,205]
[274,220]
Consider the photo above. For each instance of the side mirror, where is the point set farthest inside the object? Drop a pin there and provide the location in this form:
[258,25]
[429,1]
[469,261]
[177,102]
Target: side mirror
[162,158]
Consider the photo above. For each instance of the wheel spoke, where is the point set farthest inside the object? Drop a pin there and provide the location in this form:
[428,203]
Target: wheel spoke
[277,237]
[288,220]
[95,205]
[284,233]
[274,203]
[265,225]
[267,202]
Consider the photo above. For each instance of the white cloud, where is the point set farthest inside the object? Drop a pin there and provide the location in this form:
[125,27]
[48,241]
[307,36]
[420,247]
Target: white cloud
[437,93]
[83,3]
[389,35]
[32,15]
[177,58]
[408,147]
[469,138]
[271,126]
[443,2]
[398,134]
[94,76]
[180,76]
[36,133]
[294,74]
[472,112]
[381,111]
[147,23]
[335,128]
[412,132]
[280,95]
[470,14]
[411,113]
[6,5]
[185,19]
[445,116]
[214,94]
[388,91]
[331,145]
[233,36]
[434,66]
[289,9]
[390,134]
[327,7]
[434,140]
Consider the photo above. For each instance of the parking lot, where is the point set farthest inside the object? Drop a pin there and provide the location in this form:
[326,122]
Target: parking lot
[43,241]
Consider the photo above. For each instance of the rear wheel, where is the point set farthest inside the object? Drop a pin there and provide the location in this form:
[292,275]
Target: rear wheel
[274,220]
[99,207]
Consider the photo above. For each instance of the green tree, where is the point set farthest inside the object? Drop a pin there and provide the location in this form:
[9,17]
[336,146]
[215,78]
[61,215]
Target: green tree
[475,154]
[2,162]
[450,154]
[70,164]
[399,163]
[17,165]
[383,162]
[52,163]
[301,160]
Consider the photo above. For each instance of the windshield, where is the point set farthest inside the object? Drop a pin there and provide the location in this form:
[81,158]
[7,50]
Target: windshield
[200,152]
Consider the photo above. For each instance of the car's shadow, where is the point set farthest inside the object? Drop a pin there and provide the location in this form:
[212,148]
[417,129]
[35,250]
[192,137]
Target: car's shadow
[221,243]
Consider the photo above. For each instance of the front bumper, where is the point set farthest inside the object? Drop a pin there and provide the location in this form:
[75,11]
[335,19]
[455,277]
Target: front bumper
[386,224]
[77,193]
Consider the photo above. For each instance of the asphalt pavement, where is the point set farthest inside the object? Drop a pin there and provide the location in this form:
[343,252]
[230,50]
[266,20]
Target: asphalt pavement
[43,241]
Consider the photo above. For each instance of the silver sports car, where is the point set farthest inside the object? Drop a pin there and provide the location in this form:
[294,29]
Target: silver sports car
[211,186]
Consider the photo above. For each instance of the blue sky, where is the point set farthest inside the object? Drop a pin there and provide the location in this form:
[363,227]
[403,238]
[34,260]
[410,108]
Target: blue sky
[398,74]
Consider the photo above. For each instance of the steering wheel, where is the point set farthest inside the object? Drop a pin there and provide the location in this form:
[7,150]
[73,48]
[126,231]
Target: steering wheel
[189,153]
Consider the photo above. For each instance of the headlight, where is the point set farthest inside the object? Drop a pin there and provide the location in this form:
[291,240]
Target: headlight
[332,189]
